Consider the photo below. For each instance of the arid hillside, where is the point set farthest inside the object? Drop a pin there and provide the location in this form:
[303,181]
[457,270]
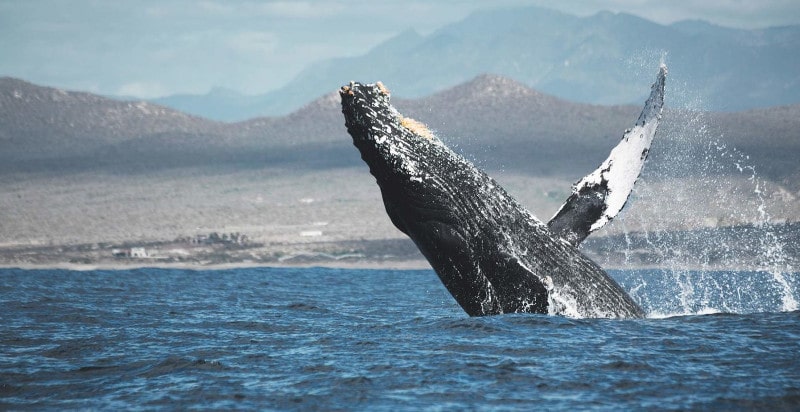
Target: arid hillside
[80,171]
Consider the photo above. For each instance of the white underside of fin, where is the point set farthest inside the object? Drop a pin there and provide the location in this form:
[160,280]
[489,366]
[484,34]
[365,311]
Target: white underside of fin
[619,172]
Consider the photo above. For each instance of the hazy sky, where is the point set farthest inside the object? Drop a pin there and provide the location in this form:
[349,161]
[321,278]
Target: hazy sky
[150,48]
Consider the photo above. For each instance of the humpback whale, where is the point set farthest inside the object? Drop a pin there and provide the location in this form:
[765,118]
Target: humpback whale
[489,251]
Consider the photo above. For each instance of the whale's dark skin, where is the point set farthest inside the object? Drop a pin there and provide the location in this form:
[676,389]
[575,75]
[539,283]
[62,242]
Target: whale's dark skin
[492,255]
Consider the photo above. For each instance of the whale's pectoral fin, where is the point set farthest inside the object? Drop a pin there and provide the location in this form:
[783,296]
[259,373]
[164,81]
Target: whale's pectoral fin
[600,196]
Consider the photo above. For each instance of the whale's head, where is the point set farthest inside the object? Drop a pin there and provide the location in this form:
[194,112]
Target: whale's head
[396,148]
[417,174]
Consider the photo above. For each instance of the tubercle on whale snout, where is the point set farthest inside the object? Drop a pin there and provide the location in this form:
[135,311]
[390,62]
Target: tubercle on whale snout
[363,109]
[346,90]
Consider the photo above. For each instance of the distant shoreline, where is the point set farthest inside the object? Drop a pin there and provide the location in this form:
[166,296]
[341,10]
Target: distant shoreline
[682,252]
[356,264]
[400,265]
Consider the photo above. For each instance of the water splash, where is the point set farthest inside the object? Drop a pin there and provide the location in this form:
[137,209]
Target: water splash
[665,293]
[700,207]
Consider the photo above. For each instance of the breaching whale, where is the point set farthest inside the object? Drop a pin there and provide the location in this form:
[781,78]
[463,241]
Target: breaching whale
[492,254]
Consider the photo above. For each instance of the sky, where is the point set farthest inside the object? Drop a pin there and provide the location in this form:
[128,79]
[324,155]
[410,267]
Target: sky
[153,48]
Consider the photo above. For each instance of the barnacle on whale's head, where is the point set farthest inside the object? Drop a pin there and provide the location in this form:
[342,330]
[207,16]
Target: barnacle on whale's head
[416,127]
[367,106]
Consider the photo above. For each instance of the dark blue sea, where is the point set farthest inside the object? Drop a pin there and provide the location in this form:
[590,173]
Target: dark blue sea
[328,339]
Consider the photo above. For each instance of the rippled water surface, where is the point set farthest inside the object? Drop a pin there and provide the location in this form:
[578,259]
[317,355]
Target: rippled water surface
[372,339]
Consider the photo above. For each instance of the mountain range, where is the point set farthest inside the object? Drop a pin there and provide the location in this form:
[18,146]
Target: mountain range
[712,67]
[497,122]
[77,170]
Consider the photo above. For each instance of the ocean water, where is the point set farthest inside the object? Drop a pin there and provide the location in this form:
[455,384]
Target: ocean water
[286,339]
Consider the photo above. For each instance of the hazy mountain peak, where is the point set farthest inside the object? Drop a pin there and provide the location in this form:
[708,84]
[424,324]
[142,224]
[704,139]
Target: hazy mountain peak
[20,89]
[14,86]
[325,102]
[38,119]
[696,27]
[597,59]
[223,92]
[499,85]
[406,37]
[6,82]
[615,16]
[492,89]
[604,14]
